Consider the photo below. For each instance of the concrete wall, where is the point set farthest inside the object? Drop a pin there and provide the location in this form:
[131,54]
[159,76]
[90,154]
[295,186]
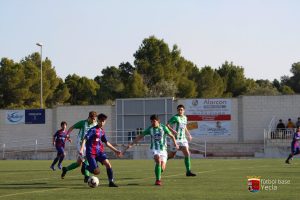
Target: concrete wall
[249,117]
[257,111]
[26,134]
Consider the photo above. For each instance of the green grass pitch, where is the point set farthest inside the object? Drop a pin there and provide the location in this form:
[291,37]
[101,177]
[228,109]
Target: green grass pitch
[216,179]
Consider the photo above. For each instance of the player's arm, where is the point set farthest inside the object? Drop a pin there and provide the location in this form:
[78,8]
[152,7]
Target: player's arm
[53,139]
[138,138]
[75,126]
[69,138]
[171,129]
[173,140]
[70,129]
[117,152]
[188,134]
[82,146]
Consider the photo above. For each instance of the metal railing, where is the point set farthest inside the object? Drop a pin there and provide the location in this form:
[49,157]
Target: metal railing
[35,146]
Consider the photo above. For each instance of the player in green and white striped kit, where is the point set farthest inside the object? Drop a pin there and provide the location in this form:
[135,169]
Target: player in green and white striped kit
[179,122]
[83,126]
[158,133]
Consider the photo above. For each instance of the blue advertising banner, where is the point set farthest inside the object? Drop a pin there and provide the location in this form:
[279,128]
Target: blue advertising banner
[35,116]
[15,117]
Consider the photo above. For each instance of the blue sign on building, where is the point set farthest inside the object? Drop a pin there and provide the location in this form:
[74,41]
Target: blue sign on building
[35,116]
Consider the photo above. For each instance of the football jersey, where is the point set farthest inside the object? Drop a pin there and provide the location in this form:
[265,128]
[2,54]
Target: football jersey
[180,123]
[83,127]
[60,138]
[158,137]
[296,138]
[95,138]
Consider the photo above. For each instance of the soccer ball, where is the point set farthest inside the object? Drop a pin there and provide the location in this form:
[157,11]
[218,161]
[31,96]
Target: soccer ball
[93,181]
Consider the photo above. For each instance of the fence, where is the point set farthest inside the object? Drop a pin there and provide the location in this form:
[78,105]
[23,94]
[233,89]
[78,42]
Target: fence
[278,137]
[42,148]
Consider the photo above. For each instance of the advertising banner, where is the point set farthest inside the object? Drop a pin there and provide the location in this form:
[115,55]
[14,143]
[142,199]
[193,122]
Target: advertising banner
[211,117]
[15,117]
[35,116]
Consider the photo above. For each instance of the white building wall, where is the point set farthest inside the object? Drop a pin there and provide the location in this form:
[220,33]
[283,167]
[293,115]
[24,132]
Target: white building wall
[258,111]
[10,132]
[250,116]
[25,134]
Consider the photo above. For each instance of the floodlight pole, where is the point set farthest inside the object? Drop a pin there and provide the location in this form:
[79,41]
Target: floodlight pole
[41,46]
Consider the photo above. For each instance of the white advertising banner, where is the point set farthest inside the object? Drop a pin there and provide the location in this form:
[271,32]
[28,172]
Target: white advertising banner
[210,117]
[15,117]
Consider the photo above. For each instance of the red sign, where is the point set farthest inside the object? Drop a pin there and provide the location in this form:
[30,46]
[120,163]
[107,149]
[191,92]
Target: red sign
[208,117]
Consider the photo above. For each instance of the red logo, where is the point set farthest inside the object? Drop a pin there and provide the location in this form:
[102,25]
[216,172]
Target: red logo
[253,184]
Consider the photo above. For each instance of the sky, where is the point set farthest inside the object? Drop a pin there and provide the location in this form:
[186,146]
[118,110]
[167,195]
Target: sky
[84,37]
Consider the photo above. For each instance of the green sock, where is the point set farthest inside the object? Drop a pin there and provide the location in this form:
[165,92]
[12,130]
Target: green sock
[72,166]
[187,162]
[157,171]
[86,171]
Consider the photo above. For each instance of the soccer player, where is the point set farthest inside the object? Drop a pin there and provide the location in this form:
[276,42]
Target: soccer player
[59,139]
[295,147]
[83,126]
[93,142]
[158,133]
[180,131]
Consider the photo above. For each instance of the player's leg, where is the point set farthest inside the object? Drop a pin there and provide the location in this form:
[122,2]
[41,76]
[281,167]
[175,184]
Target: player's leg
[93,166]
[75,164]
[61,157]
[287,161]
[294,151]
[70,167]
[187,160]
[163,160]
[85,171]
[54,162]
[157,169]
[172,152]
[109,171]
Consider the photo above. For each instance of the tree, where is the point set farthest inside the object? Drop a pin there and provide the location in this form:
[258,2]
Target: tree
[263,87]
[158,65]
[111,83]
[12,83]
[20,84]
[153,60]
[163,88]
[209,83]
[135,86]
[186,77]
[60,95]
[82,90]
[294,81]
[234,79]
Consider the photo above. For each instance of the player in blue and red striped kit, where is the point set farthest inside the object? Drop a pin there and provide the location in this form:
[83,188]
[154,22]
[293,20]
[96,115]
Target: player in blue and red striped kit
[295,146]
[59,140]
[93,141]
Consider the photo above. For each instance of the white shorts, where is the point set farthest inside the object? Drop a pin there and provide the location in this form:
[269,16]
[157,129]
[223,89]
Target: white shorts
[180,143]
[162,154]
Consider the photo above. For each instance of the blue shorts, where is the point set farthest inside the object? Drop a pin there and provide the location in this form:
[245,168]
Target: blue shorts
[93,161]
[60,150]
